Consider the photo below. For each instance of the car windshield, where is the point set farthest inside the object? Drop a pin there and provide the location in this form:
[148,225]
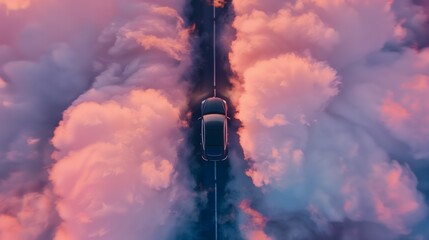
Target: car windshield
[214,134]
[214,106]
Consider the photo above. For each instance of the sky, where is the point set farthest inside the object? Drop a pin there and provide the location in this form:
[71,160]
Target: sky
[328,100]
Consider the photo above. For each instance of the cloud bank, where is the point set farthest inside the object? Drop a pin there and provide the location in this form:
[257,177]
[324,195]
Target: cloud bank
[107,167]
[327,93]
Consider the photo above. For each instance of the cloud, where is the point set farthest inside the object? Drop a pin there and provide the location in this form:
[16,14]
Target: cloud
[264,35]
[35,87]
[117,75]
[282,107]
[117,166]
[15,4]
[115,174]
[255,223]
[413,22]
[32,216]
[327,92]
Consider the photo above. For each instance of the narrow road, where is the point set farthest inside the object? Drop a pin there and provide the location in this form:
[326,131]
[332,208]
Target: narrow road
[216,217]
[214,94]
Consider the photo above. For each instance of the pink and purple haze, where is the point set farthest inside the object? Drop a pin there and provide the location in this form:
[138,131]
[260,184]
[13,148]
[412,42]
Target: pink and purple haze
[332,96]
[333,99]
[90,104]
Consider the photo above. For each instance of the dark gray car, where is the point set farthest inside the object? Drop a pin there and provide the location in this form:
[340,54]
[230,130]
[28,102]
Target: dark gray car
[214,129]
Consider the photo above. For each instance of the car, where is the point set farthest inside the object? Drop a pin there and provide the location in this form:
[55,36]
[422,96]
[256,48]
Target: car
[214,129]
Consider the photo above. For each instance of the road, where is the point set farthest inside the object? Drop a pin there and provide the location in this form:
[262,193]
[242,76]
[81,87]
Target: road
[211,183]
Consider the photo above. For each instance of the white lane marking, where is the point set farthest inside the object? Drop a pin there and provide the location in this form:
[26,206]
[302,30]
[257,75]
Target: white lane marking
[215,183]
[214,49]
[214,93]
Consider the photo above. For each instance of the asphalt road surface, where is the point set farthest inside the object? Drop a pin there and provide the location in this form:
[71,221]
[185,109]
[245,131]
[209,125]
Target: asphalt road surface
[204,227]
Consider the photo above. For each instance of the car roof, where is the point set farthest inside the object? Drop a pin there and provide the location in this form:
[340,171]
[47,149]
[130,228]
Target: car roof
[214,126]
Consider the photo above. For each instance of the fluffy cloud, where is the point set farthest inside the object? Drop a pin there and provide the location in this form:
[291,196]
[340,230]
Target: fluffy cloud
[117,165]
[283,107]
[27,217]
[116,171]
[323,104]
[93,64]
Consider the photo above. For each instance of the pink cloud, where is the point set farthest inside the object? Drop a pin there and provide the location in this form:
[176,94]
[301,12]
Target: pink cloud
[26,218]
[12,5]
[255,223]
[113,81]
[313,143]
[287,91]
[116,173]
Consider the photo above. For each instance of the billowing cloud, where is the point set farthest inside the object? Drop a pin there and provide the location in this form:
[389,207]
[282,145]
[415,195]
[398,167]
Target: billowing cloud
[116,171]
[283,107]
[324,106]
[109,168]
[116,174]
[40,76]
